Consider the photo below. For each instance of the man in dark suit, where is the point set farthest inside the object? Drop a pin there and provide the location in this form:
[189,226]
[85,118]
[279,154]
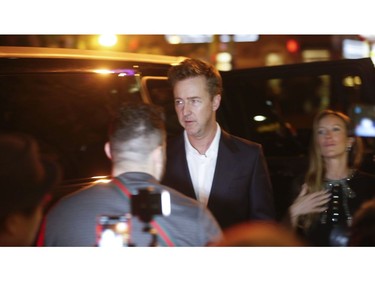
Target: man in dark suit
[224,172]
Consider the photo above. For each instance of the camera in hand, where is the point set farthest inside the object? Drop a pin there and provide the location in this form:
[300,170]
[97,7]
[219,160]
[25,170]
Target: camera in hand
[115,230]
[148,202]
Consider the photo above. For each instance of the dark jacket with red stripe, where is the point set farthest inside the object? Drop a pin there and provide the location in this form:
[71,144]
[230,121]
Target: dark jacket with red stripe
[73,220]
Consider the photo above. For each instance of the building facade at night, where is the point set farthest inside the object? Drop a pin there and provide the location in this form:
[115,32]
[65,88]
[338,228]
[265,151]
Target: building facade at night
[226,51]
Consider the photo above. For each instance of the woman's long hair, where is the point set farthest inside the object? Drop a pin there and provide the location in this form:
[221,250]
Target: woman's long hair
[316,170]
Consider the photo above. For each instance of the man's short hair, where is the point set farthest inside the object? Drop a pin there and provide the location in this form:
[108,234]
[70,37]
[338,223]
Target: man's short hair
[137,129]
[191,68]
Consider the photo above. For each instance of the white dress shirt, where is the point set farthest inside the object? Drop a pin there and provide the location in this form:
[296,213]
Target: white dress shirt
[202,166]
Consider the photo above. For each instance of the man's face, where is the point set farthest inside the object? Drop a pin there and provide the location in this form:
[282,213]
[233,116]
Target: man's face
[194,107]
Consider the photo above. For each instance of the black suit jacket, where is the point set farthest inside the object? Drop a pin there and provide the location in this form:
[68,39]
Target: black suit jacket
[241,188]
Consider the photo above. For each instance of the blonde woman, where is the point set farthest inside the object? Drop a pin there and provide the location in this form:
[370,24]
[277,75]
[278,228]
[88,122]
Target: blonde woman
[334,187]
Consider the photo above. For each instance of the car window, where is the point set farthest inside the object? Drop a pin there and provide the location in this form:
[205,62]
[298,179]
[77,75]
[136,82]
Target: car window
[249,110]
[288,97]
[68,113]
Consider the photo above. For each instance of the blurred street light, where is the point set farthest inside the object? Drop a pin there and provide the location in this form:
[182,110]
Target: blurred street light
[107,40]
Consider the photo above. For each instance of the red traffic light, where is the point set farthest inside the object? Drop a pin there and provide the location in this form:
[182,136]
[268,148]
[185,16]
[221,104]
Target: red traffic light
[292,46]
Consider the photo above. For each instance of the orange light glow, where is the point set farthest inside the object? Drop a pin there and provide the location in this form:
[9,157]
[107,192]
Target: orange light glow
[292,46]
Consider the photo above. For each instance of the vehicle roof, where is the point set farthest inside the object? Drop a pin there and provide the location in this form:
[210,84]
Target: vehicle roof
[65,53]
[314,67]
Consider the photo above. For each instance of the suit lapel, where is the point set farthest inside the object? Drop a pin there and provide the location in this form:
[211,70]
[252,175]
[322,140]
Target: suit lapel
[178,167]
[223,176]
[188,189]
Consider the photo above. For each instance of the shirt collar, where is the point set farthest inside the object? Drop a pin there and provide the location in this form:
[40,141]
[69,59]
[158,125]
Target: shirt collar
[212,149]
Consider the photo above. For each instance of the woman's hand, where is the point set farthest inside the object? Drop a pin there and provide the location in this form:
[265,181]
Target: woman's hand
[308,203]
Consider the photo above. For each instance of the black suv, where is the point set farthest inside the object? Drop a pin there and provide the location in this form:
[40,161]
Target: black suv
[65,98]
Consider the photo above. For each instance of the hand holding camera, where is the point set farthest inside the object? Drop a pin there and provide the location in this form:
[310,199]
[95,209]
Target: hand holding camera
[115,231]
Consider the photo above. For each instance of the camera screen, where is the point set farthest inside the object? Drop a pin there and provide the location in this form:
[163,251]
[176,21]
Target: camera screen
[113,231]
[363,117]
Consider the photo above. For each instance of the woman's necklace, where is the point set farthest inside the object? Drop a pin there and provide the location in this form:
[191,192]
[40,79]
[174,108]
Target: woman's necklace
[338,211]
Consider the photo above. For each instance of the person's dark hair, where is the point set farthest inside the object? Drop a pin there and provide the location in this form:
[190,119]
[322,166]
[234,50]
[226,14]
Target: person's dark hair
[191,68]
[363,226]
[26,177]
[26,212]
[138,128]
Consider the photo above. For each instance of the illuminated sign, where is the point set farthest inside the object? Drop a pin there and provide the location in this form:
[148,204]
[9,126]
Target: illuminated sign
[354,49]
[204,38]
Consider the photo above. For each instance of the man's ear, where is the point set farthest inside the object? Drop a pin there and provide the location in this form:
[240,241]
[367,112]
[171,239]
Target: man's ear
[216,102]
[107,150]
[158,162]
[157,155]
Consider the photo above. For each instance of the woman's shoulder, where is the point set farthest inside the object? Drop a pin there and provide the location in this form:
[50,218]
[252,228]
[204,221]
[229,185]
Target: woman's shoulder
[364,181]
[359,174]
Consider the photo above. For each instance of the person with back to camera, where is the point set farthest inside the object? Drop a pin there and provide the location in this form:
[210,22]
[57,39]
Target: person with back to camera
[226,173]
[136,148]
[334,187]
[26,179]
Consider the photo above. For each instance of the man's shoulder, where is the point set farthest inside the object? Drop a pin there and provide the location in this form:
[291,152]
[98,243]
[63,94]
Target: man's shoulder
[90,190]
[178,196]
[188,208]
[175,144]
[182,200]
[86,195]
[175,139]
[242,143]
